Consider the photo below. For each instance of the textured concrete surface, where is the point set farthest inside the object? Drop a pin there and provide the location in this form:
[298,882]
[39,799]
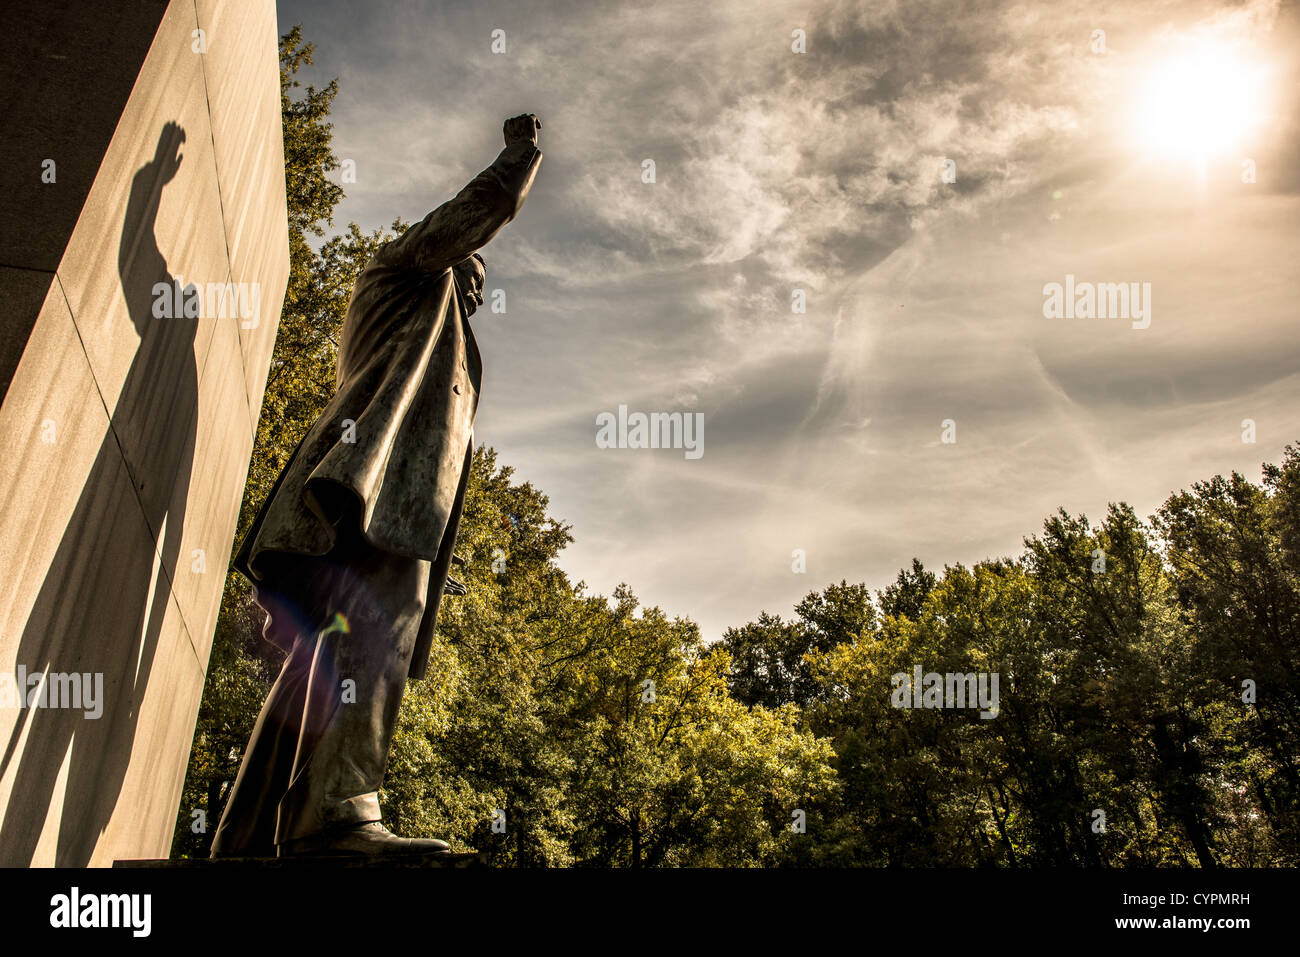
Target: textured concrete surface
[130,432]
[243,79]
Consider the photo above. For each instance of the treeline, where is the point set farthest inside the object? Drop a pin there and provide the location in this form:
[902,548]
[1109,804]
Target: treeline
[1148,694]
[1147,708]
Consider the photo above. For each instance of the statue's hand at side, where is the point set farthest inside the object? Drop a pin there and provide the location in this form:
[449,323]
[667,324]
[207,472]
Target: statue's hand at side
[455,586]
[522,128]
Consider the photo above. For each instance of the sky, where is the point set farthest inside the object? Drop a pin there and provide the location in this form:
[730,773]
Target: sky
[922,172]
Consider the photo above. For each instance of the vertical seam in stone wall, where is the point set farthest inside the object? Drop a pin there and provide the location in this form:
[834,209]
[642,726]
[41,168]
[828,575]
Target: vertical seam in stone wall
[216,170]
[230,275]
[126,463]
[243,392]
[203,364]
[203,665]
[221,200]
[212,136]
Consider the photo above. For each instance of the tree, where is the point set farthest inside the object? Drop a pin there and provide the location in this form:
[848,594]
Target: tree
[769,658]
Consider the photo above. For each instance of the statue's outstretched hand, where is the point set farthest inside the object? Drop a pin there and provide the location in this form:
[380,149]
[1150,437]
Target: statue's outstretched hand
[522,127]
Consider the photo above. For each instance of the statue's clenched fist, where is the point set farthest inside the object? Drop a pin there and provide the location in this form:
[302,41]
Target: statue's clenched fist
[523,127]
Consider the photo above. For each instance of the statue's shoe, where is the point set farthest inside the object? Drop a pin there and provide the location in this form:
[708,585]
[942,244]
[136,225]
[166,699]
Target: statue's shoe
[371,839]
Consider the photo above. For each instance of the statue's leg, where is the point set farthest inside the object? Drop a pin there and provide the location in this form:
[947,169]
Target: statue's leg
[362,657]
[247,827]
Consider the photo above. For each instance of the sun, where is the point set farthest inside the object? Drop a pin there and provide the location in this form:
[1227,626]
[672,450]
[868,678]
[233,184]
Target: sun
[1202,101]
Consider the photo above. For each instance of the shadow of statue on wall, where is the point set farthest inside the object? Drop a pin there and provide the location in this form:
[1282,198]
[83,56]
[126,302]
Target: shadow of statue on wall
[101,606]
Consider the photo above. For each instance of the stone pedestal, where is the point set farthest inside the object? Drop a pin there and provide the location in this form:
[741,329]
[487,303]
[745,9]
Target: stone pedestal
[323,862]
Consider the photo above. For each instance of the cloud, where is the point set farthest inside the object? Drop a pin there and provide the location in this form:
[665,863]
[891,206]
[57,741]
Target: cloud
[778,171]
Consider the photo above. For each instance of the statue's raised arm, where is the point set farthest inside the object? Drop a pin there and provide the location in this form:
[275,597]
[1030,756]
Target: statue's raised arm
[465,223]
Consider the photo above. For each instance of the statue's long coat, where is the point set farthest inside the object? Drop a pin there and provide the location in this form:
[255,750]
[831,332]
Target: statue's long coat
[398,434]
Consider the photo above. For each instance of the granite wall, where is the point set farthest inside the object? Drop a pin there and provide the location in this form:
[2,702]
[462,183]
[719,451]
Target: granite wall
[143,261]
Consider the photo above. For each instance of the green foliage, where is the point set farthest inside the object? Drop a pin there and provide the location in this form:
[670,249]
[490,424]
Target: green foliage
[770,656]
[1123,652]
[605,734]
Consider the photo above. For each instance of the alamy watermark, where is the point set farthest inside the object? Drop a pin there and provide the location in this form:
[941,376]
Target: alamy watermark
[651,430]
[213,300]
[76,909]
[948,690]
[1098,300]
[53,689]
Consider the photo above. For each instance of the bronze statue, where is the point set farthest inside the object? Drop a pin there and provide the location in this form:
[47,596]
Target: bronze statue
[351,551]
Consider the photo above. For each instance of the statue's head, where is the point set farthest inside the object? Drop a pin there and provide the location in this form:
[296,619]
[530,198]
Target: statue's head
[469,275]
